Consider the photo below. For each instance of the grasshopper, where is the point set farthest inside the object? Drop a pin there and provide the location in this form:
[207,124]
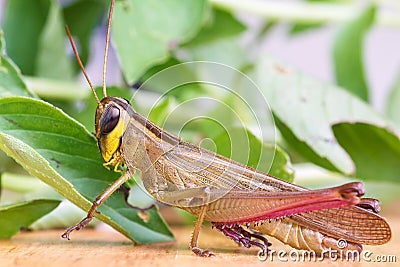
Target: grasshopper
[241,202]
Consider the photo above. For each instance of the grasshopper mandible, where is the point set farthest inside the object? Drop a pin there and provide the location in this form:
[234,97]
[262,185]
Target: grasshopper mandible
[230,195]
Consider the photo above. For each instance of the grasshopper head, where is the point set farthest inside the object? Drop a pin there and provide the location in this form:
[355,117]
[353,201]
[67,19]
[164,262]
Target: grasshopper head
[112,118]
[112,113]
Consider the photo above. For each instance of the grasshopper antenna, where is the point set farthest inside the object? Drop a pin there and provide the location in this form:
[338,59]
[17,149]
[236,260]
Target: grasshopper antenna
[106,48]
[80,63]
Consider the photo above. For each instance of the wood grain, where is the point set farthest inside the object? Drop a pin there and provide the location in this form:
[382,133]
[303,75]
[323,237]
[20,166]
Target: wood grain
[105,247]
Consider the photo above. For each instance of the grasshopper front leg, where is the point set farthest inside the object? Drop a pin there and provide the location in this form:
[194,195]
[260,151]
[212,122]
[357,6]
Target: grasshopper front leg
[100,199]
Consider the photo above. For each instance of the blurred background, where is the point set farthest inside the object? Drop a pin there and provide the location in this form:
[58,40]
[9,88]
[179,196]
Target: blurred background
[309,50]
[341,55]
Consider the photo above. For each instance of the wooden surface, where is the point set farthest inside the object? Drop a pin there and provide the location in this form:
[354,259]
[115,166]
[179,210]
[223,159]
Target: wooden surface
[105,247]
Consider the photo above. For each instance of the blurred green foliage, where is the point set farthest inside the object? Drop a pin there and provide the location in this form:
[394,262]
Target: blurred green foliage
[327,125]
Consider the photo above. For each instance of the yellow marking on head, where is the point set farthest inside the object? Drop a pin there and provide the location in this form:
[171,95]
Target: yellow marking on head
[110,143]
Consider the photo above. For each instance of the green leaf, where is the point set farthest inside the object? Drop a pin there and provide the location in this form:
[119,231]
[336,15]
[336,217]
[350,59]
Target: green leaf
[218,41]
[241,145]
[281,166]
[159,112]
[303,27]
[22,23]
[51,47]
[221,25]
[301,146]
[17,216]
[142,41]
[181,87]
[227,51]
[59,151]
[82,17]
[393,103]
[306,109]
[375,151]
[2,42]
[35,36]
[11,82]
[348,53]
[158,87]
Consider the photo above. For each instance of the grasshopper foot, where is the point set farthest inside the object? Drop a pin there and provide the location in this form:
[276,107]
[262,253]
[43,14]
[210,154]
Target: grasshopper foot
[77,227]
[370,204]
[243,237]
[202,253]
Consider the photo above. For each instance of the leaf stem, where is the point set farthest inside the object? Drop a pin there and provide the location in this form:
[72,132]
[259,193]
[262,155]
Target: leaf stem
[56,89]
[20,183]
[306,12]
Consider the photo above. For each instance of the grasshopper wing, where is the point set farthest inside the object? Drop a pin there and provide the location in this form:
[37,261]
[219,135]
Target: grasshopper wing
[185,175]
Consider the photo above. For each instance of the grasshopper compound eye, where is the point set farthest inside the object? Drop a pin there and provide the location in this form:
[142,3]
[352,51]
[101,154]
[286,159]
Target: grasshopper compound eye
[109,120]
